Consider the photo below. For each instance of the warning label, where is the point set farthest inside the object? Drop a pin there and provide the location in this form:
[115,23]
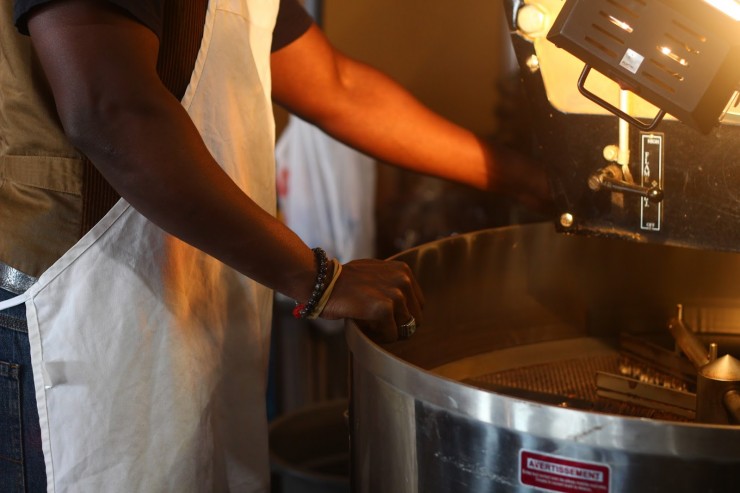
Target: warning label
[554,473]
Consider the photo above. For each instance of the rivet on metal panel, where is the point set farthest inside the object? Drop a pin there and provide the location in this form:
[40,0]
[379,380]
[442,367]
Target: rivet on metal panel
[611,153]
[566,220]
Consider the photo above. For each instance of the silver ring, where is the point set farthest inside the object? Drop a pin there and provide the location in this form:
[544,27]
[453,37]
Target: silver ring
[407,330]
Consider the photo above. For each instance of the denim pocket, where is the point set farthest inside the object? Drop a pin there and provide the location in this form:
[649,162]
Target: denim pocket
[11,441]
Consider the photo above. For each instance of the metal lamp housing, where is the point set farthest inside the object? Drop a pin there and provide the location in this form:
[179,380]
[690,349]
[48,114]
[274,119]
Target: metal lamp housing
[682,56]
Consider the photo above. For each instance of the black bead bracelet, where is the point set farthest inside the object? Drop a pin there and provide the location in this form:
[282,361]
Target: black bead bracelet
[303,310]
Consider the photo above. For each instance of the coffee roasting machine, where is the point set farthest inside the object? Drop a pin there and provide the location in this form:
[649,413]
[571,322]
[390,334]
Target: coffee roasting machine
[600,355]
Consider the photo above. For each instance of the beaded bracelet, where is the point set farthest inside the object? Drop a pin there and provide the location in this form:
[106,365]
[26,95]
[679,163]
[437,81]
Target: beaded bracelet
[303,310]
[327,292]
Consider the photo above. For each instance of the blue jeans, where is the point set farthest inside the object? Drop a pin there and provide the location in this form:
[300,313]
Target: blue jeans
[22,468]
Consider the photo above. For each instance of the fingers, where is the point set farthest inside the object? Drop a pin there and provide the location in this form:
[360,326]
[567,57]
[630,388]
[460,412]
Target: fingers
[412,293]
[383,296]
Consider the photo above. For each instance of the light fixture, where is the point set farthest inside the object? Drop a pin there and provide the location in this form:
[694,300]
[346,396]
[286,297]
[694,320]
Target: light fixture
[683,56]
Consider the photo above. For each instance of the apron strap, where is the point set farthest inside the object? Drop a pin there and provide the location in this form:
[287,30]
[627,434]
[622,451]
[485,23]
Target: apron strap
[14,281]
[18,300]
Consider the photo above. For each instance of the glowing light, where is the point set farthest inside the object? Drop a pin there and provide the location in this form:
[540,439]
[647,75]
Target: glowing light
[729,7]
[620,24]
[670,54]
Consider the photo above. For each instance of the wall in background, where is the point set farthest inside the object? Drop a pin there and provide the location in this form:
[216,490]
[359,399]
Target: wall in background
[449,53]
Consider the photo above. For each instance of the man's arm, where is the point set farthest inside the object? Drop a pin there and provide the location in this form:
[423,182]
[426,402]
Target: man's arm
[367,110]
[101,66]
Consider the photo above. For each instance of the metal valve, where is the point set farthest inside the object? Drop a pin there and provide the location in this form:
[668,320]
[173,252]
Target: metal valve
[718,379]
[610,178]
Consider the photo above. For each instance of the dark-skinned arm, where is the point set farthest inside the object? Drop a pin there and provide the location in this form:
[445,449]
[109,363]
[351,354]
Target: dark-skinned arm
[367,110]
[101,66]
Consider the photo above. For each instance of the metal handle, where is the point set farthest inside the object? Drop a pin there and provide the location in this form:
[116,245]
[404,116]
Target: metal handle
[609,178]
[613,109]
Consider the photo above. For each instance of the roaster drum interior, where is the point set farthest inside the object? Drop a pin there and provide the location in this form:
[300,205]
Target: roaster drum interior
[531,313]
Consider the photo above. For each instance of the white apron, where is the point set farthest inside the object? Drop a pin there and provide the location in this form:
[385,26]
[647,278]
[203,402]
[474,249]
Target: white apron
[150,357]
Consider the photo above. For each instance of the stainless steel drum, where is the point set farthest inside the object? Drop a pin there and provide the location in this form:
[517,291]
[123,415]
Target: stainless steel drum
[496,392]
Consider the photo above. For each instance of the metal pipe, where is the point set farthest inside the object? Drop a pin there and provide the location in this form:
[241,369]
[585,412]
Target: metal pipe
[687,340]
[623,156]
